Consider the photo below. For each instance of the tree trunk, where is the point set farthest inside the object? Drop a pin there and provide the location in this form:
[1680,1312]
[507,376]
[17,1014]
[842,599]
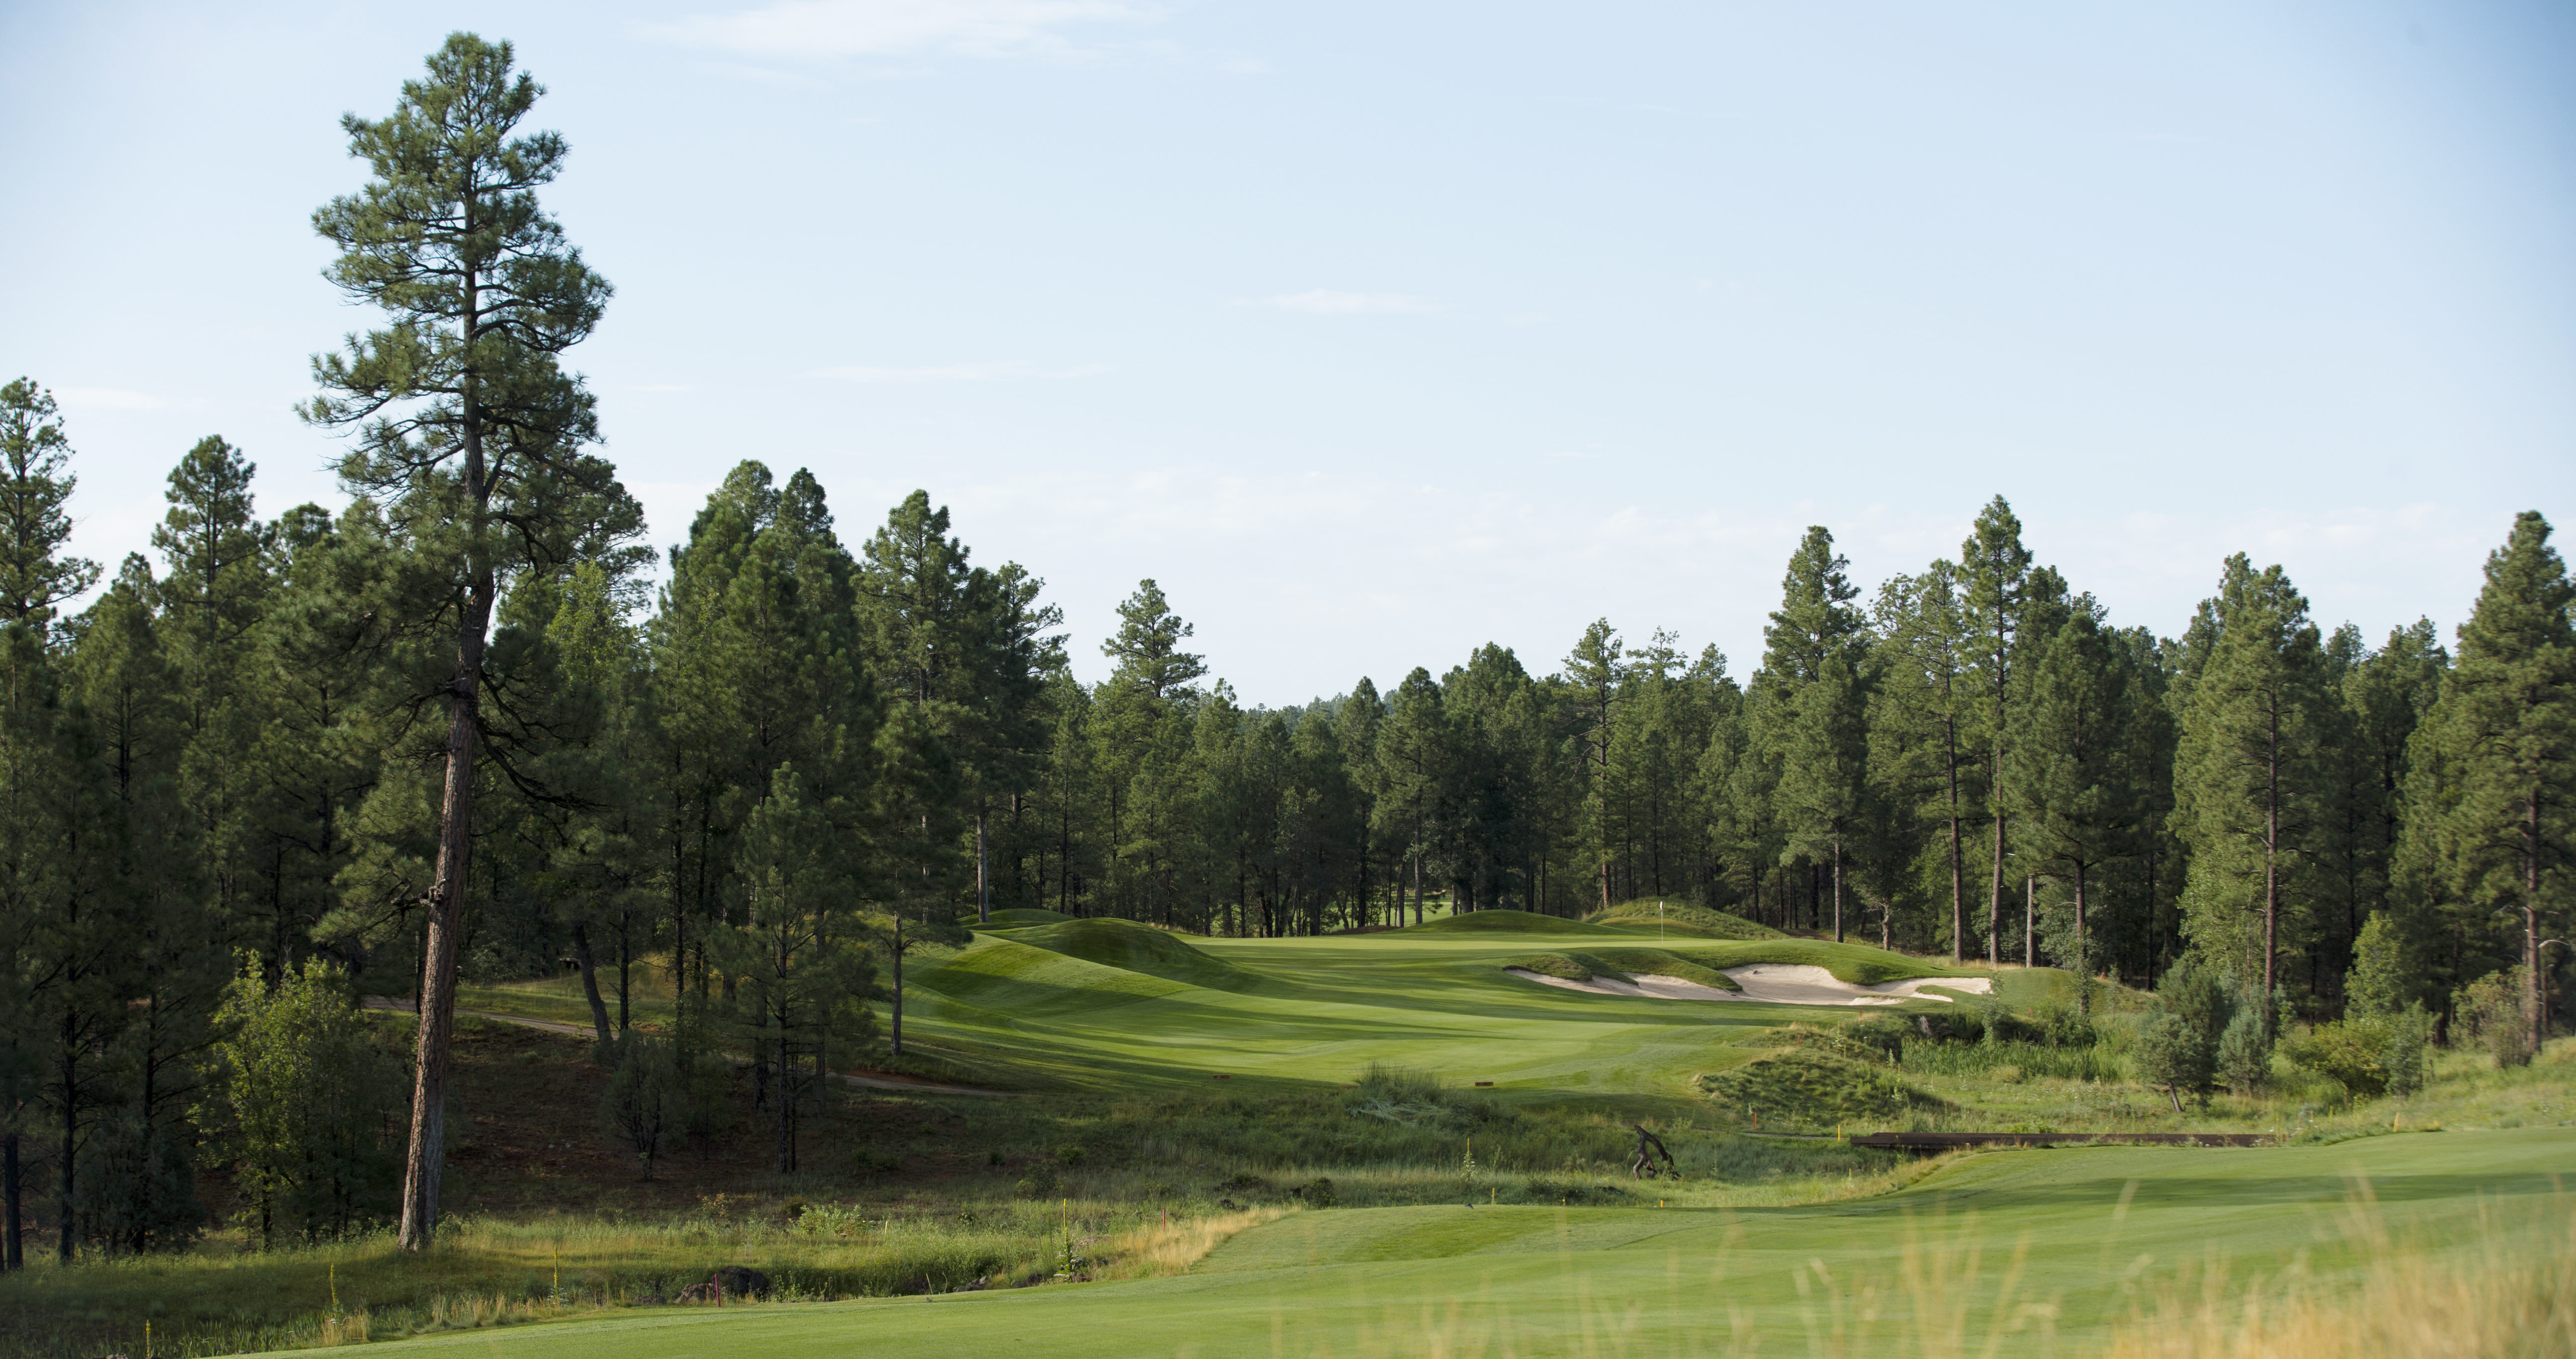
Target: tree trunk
[1958,867]
[786,1104]
[2030,922]
[65,1183]
[2271,848]
[983,889]
[898,984]
[426,1155]
[590,982]
[1838,889]
[2083,951]
[13,1252]
[625,962]
[1995,900]
[2535,999]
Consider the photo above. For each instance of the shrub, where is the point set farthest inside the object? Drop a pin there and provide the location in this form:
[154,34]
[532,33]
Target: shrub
[2491,1016]
[2379,983]
[1813,1088]
[644,1104]
[301,1104]
[2370,1055]
[2244,1058]
[2177,1047]
[1881,1035]
[2064,1026]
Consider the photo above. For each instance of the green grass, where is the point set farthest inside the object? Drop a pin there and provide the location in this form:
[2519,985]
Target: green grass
[1507,922]
[2017,1253]
[1132,947]
[1017,917]
[1859,964]
[1311,1012]
[1184,1075]
[1680,920]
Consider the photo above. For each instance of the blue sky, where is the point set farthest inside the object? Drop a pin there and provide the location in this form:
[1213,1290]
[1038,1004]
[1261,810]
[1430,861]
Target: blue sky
[1378,332]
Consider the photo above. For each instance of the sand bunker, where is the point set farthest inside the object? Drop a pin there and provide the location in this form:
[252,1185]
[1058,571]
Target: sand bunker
[1778,983]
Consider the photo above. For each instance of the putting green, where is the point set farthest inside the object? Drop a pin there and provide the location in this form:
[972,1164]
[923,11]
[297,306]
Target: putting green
[1108,1005]
[2040,1252]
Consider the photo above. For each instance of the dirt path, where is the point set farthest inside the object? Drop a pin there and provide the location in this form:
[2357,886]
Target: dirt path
[876,1080]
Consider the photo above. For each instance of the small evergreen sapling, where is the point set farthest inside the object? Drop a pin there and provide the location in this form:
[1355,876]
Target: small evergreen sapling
[644,1104]
[2178,1048]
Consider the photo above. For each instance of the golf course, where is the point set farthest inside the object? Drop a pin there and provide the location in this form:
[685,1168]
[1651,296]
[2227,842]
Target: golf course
[1402,1142]
[2024,1253]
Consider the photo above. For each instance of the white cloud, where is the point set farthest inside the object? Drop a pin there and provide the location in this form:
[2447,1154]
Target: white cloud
[107,399]
[858,28]
[1326,302]
[958,372]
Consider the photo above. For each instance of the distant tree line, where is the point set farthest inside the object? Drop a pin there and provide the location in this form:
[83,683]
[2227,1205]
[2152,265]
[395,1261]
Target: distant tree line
[453,731]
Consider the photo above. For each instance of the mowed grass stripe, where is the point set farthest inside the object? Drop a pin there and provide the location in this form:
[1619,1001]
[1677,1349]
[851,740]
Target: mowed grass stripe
[1542,1281]
[1318,1012]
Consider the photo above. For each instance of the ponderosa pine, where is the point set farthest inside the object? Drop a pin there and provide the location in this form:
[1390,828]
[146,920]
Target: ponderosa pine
[470,433]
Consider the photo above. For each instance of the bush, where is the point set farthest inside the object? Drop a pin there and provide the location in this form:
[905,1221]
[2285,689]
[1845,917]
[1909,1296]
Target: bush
[2064,1026]
[302,1104]
[2245,1051]
[2371,1055]
[1812,1089]
[2177,1047]
[645,1102]
[2380,983]
[2491,1016]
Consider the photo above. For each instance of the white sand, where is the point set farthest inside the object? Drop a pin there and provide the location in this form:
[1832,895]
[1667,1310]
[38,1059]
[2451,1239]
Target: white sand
[1777,983]
[1649,984]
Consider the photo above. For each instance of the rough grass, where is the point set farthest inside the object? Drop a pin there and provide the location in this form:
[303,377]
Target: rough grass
[957,1175]
[2004,1254]
[1804,1088]
[489,1273]
[1681,920]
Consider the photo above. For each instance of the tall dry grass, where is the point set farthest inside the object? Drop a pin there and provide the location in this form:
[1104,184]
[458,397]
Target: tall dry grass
[2490,1302]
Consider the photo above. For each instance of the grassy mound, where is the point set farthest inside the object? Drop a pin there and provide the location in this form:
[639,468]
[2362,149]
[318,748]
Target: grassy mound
[1859,964]
[1512,922]
[1681,920]
[1621,964]
[1801,1087]
[1131,947]
[1006,975]
[1018,918]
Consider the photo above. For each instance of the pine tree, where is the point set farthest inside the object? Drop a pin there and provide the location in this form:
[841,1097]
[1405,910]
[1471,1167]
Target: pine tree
[137,1189]
[1413,750]
[2073,792]
[1921,708]
[798,951]
[1994,578]
[1813,749]
[35,485]
[1594,671]
[2503,737]
[470,431]
[1824,785]
[2246,772]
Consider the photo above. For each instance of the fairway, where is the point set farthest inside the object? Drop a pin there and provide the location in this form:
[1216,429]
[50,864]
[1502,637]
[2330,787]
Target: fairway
[1322,1010]
[2038,1251]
